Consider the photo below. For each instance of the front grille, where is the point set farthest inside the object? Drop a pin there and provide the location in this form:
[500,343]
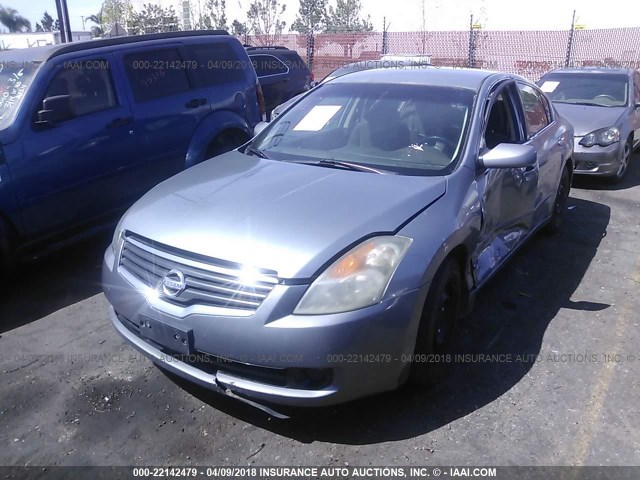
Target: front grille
[208,281]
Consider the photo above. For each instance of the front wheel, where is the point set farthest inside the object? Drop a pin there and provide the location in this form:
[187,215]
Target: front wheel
[625,159]
[560,203]
[439,324]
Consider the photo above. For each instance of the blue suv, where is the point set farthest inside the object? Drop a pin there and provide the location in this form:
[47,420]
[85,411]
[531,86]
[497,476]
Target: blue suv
[87,128]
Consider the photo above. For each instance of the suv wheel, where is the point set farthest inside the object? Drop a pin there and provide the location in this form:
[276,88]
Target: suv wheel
[225,142]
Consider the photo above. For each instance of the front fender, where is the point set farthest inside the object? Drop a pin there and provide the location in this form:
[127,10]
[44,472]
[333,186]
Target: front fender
[210,128]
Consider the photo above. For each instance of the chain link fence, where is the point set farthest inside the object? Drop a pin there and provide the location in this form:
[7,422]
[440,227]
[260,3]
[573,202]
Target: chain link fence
[527,53]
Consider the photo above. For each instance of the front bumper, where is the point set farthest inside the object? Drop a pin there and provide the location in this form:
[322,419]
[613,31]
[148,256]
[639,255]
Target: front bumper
[273,356]
[597,160]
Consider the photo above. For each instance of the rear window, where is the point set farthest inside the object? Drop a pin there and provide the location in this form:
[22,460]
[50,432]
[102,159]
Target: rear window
[600,89]
[156,73]
[266,65]
[217,63]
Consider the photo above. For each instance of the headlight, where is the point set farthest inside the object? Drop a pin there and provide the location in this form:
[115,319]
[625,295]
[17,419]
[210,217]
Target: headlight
[358,279]
[603,137]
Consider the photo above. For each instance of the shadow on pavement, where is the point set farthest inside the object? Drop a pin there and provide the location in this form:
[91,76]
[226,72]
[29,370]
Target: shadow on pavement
[56,281]
[511,316]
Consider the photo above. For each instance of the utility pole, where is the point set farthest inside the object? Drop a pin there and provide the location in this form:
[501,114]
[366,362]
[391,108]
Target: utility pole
[424,28]
[570,45]
[63,34]
[472,44]
[385,36]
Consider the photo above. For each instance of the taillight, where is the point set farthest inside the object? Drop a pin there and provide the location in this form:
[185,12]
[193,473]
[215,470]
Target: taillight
[261,105]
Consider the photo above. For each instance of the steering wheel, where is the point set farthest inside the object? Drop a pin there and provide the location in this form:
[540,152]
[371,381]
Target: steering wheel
[604,96]
[441,143]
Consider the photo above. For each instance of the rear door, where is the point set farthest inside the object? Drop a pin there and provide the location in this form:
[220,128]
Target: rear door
[167,108]
[546,137]
[71,172]
[273,75]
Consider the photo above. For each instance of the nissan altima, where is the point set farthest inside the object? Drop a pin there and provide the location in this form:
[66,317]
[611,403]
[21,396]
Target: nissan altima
[334,255]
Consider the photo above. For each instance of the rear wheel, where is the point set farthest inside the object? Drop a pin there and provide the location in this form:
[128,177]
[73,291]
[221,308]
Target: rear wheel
[560,203]
[439,325]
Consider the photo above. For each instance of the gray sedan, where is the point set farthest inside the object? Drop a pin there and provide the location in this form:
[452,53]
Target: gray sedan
[334,255]
[603,104]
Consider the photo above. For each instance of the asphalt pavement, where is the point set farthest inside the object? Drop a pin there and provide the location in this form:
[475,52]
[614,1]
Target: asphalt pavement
[561,387]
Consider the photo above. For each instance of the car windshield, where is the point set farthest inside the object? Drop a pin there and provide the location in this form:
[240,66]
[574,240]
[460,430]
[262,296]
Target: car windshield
[406,129]
[15,78]
[600,89]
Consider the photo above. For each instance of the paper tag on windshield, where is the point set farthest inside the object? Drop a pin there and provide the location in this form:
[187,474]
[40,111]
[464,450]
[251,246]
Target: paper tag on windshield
[317,118]
[549,86]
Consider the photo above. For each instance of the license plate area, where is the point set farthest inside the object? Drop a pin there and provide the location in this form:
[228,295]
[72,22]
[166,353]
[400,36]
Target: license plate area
[176,339]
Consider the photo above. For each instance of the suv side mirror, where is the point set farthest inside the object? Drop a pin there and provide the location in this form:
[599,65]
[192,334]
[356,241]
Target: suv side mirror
[509,155]
[55,109]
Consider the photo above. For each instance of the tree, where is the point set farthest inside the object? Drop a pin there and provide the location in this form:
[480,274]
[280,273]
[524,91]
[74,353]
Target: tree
[47,24]
[15,22]
[216,15]
[346,18]
[311,16]
[119,11]
[153,19]
[238,28]
[99,28]
[264,18]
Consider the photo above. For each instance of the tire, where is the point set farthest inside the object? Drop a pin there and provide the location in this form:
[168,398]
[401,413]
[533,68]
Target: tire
[559,204]
[624,162]
[225,142]
[439,325]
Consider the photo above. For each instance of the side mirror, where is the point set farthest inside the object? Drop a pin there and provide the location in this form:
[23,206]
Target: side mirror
[637,105]
[509,155]
[260,127]
[55,109]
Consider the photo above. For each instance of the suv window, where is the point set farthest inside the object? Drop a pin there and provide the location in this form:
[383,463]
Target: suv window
[89,84]
[636,86]
[156,73]
[217,63]
[535,109]
[268,65]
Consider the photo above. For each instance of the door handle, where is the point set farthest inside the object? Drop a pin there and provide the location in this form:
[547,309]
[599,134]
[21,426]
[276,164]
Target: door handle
[195,102]
[119,122]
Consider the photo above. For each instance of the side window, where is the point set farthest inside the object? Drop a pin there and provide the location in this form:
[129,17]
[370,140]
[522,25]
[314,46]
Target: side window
[636,85]
[89,84]
[156,73]
[268,65]
[536,111]
[501,127]
[217,63]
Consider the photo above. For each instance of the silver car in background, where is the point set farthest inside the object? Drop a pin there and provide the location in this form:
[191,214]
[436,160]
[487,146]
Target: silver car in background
[603,104]
[335,254]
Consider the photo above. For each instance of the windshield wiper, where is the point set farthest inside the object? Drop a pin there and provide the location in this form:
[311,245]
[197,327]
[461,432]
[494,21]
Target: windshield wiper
[256,152]
[587,104]
[356,167]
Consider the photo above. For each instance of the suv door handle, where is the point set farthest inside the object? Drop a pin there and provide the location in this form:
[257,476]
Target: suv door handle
[119,122]
[195,102]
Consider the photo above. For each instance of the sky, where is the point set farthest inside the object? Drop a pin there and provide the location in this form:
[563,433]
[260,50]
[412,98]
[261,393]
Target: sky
[406,15]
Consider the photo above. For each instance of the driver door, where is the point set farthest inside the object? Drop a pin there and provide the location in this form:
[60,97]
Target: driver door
[508,195]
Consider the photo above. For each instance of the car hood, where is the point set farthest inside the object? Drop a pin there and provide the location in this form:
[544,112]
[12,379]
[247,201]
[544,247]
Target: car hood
[291,218]
[585,119]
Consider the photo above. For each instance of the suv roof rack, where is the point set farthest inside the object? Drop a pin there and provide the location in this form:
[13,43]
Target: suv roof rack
[270,47]
[107,42]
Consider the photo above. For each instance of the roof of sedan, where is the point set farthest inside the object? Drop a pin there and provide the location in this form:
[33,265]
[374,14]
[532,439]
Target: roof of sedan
[592,70]
[437,76]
